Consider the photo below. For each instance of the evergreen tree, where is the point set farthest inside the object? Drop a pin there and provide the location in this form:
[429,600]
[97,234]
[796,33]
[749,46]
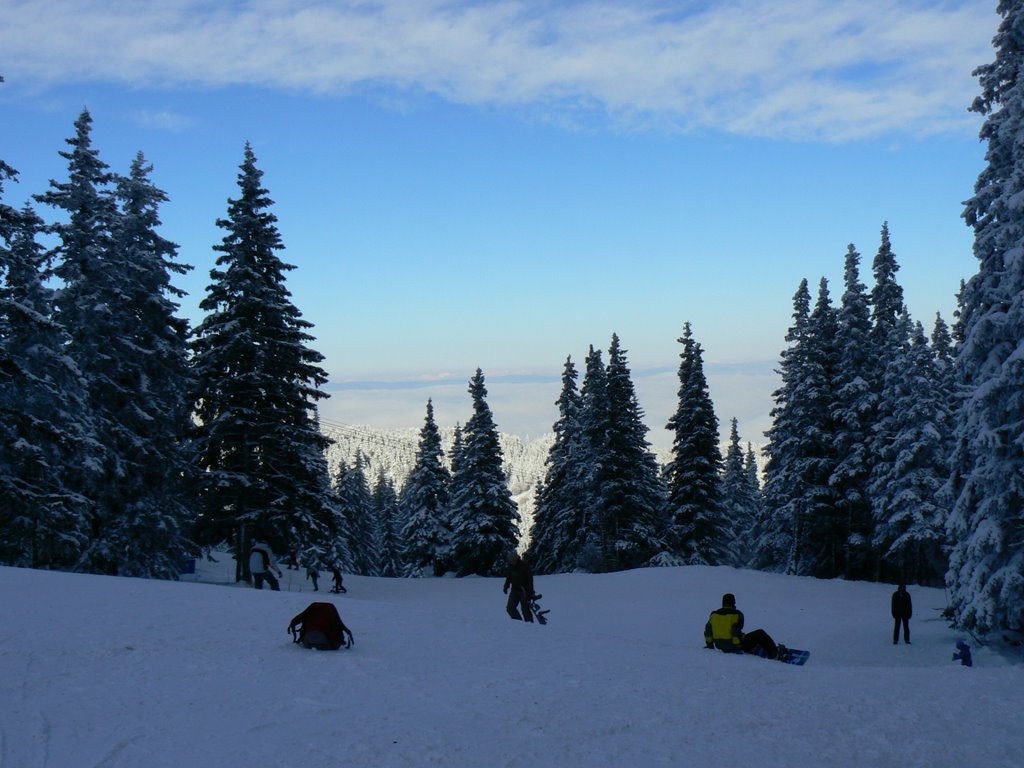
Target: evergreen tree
[699,533]
[739,498]
[630,493]
[157,517]
[559,512]
[853,413]
[385,507]
[45,426]
[775,531]
[363,525]
[908,488]
[819,552]
[130,348]
[259,443]
[801,505]
[424,505]
[986,574]
[484,516]
[593,552]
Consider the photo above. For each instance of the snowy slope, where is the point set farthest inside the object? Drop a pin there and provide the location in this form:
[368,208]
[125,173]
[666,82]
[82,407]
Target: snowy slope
[115,672]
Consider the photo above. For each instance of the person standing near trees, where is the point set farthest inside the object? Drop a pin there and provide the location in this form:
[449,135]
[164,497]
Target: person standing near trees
[902,610]
[520,582]
[261,565]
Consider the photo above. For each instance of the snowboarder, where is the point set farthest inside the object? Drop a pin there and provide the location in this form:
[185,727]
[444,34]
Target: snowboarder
[724,631]
[520,581]
[963,654]
[261,563]
[902,610]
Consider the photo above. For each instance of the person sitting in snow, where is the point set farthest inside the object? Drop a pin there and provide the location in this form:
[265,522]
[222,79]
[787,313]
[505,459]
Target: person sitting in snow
[724,631]
[520,580]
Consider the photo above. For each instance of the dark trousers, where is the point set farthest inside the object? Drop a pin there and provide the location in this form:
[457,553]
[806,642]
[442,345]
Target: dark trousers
[517,598]
[759,639]
[258,578]
[896,629]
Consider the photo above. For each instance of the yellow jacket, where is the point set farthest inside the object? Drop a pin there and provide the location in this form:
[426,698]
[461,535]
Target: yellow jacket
[724,629]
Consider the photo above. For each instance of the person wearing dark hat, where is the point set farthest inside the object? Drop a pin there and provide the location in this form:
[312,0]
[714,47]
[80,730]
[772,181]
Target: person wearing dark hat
[520,582]
[902,610]
[724,631]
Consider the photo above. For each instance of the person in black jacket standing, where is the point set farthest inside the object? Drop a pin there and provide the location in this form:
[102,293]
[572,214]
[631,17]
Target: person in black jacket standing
[902,610]
[520,580]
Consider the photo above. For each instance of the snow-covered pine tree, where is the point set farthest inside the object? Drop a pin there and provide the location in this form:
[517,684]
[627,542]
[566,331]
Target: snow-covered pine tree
[130,348]
[825,536]
[424,505]
[385,508]
[908,489]
[594,553]
[46,432]
[258,442]
[155,526]
[559,512]
[853,411]
[356,503]
[775,530]
[483,514]
[739,498]
[630,492]
[986,525]
[800,504]
[699,531]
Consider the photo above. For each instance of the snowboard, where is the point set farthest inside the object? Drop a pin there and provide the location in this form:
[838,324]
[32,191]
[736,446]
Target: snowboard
[541,615]
[788,656]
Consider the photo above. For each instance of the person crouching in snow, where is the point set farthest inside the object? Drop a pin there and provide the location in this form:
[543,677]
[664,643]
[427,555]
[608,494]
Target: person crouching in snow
[963,654]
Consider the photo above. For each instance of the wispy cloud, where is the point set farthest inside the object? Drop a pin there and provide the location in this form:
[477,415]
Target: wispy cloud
[809,69]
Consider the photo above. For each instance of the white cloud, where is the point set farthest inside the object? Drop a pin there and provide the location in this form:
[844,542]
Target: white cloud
[801,68]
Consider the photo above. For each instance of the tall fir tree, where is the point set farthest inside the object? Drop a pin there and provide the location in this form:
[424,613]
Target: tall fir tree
[385,508]
[45,426]
[820,550]
[363,526]
[776,529]
[593,552]
[559,512]
[739,491]
[699,530]
[426,535]
[630,493]
[258,382]
[986,525]
[853,413]
[908,489]
[484,516]
[115,303]
[800,503]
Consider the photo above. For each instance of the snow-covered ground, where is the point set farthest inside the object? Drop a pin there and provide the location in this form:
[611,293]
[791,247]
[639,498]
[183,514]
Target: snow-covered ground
[102,671]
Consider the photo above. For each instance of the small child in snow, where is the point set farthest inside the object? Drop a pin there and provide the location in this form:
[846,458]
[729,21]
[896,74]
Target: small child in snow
[338,587]
[963,654]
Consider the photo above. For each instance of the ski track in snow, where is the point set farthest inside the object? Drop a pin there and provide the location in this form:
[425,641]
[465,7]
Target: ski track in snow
[100,671]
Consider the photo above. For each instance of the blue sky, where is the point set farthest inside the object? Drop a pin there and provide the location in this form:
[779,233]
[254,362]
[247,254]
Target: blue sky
[501,184]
